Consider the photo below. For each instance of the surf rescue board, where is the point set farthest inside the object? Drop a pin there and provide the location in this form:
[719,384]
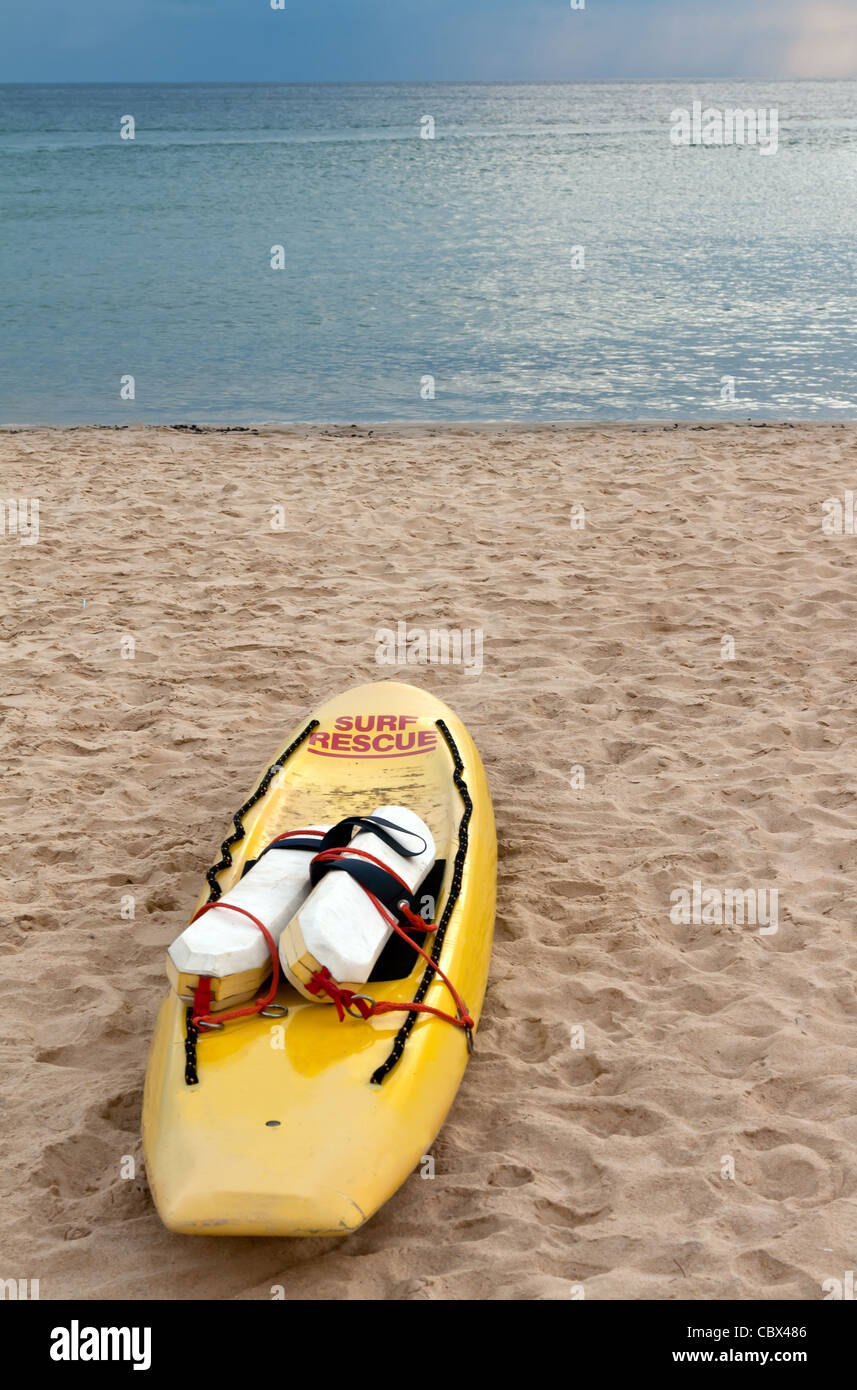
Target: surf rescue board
[304,1125]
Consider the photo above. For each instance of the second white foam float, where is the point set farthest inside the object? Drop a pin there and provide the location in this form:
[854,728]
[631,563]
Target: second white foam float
[338,926]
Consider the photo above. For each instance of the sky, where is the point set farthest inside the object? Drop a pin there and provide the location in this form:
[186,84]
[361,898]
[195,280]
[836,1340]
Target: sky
[423,40]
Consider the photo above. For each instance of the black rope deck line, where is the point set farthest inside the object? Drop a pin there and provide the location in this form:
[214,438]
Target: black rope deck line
[238,818]
[191,1075]
[216,892]
[455,888]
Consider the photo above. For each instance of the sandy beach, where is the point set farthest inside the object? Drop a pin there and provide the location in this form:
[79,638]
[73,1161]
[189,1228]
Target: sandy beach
[193,593]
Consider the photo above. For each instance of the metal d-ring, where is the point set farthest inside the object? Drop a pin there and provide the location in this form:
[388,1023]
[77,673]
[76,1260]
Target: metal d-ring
[215,1027]
[367,997]
[274,1011]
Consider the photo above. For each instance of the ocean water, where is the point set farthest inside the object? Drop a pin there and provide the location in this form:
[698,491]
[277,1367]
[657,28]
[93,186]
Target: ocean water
[407,259]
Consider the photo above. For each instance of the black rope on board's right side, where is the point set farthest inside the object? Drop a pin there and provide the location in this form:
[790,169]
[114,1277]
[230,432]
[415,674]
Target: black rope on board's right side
[216,892]
[455,888]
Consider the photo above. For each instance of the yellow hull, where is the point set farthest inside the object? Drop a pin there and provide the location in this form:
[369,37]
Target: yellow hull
[285,1134]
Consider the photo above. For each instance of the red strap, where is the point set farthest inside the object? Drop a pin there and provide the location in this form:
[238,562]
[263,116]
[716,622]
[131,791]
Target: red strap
[290,834]
[345,851]
[202,996]
[346,999]
[322,981]
[259,1004]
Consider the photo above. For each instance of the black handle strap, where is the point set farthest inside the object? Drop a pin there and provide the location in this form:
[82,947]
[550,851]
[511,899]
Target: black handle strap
[340,834]
[312,845]
[382,883]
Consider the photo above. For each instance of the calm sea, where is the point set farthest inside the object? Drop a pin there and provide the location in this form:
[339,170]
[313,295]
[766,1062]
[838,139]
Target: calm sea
[710,282]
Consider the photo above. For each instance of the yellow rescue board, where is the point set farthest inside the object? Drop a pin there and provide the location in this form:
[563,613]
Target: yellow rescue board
[285,1132]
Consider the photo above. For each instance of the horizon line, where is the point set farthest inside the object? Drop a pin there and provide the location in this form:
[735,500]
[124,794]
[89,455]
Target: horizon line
[406,81]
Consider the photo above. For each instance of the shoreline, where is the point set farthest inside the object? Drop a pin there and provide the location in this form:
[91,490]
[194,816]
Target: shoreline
[418,428]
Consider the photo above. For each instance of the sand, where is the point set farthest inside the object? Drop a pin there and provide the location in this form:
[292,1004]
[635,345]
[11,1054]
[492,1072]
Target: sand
[560,1166]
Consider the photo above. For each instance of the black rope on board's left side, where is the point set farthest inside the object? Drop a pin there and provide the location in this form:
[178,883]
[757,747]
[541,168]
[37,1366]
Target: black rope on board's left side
[216,892]
[191,1075]
[238,819]
[454,891]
